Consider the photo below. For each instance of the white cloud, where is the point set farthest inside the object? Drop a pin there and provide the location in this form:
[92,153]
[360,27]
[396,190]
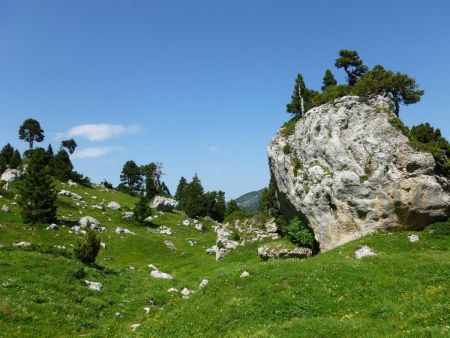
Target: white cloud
[100,131]
[94,152]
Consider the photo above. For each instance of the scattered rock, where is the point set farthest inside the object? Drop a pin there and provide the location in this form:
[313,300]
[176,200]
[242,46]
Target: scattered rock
[364,251]
[413,238]
[52,226]
[149,219]
[158,274]
[103,245]
[172,290]
[128,215]
[170,244]
[186,293]
[244,274]
[162,203]
[147,310]
[61,247]
[191,243]
[93,285]
[165,230]
[72,183]
[113,205]
[199,226]
[5,209]
[120,230]
[70,194]
[186,222]
[134,327]
[268,251]
[203,283]
[22,244]
[89,220]
[271,226]
[10,175]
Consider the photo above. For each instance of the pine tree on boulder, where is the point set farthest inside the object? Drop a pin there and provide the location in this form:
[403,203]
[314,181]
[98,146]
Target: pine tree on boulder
[31,132]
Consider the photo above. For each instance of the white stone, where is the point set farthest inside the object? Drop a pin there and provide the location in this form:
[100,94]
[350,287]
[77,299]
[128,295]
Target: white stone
[134,327]
[203,283]
[128,215]
[364,251]
[170,244]
[160,275]
[113,205]
[199,226]
[355,173]
[22,244]
[149,219]
[271,226]
[244,274]
[165,230]
[85,220]
[103,245]
[147,310]
[172,290]
[10,175]
[5,209]
[70,194]
[276,251]
[186,293]
[52,226]
[93,285]
[413,238]
[120,231]
[72,183]
[186,222]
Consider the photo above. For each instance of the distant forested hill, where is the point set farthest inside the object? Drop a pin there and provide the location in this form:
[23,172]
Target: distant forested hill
[250,201]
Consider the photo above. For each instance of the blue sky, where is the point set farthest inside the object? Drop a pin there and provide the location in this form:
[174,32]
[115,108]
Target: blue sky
[199,85]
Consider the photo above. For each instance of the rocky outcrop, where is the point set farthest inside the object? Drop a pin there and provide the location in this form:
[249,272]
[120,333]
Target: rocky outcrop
[11,175]
[349,172]
[161,203]
[277,251]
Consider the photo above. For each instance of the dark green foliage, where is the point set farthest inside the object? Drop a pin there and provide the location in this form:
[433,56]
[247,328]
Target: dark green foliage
[61,166]
[87,250]
[300,99]
[232,206]
[142,208]
[214,202]
[37,194]
[2,164]
[328,80]
[352,64]
[288,127]
[298,165]
[330,94]
[70,145]
[130,178]
[50,152]
[31,131]
[439,229]
[426,138]
[287,149]
[16,160]
[107,184]
[7,152]
[398,86]
[269,202]
[400,126]
[299,233]
[181,189]
[152,173]
[193,203]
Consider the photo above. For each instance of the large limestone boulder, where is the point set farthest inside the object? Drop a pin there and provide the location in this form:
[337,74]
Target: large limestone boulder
[10,175]
[161,203]
[350,172]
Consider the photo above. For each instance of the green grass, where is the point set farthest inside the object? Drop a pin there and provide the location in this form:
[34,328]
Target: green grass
[402,292]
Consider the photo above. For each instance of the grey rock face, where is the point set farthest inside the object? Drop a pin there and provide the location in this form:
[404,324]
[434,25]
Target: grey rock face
[350,172]
[10,175]
[161,203]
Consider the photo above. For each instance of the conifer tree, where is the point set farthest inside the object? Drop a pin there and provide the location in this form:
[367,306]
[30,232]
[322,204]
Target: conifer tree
[232,206]
[16,160]
[7,152]
[2,164]
[299,98]
[131,177]
[352,64]
[70,145]
[142,208]
[268,202]
[328,79]
[193,201]
[61,166]
[214,204]
[181,189]
[87,250]
[31,132]
[49,155]
[37,193]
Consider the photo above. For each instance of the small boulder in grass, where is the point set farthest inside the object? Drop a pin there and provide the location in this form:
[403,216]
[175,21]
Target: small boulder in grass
[186,293]
[413,238]
[203,283]
[363,252]
[93,285]
[244,274]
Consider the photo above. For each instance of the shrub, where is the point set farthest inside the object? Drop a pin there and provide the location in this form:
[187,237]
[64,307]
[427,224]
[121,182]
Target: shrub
[288,127]
[142,209]
[299,233]
[88,250]
[297,165]
[287,149]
